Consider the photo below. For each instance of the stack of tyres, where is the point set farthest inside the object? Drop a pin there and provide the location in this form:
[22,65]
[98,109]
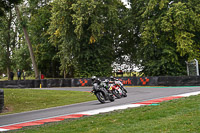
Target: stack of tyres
[1,100]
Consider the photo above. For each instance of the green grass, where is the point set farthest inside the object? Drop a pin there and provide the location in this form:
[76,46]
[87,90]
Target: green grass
[16,78]
[176,116]
[20,100]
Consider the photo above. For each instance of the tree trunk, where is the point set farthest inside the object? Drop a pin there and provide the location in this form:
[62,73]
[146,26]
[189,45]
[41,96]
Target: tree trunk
[29,44]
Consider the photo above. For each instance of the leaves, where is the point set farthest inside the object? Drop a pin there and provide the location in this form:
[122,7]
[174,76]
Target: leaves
[83,38]
[85,22]
[168,37]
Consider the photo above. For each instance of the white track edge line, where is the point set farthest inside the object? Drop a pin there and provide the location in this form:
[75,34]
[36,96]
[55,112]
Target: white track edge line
[103,110]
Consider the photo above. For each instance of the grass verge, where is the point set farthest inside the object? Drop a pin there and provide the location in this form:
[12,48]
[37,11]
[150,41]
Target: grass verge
[182,115]
[20,100]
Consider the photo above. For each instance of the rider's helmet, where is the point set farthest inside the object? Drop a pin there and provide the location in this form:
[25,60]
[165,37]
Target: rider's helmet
[112,78]
[93,78]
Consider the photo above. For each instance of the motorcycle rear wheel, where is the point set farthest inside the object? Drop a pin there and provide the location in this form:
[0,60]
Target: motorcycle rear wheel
[116,93]
[111,98]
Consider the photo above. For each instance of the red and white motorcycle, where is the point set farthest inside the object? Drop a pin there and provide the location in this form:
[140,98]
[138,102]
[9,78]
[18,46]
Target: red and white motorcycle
[116,89]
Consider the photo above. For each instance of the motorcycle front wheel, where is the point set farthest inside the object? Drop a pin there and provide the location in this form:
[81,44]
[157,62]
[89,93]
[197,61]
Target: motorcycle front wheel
[101,97]
[125,90]
[124,94]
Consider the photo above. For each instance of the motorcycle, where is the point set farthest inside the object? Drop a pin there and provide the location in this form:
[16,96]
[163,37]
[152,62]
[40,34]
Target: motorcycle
[102,93]
[121,86]
[117,89]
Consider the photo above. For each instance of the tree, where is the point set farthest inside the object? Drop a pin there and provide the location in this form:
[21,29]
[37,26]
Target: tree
[85,33]
[45,52]
[6,5]
[28,42]
[7,40]
[169,36]
[132,30]
[7,33]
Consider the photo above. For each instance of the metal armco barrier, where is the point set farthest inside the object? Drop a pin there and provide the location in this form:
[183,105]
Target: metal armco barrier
[128,81]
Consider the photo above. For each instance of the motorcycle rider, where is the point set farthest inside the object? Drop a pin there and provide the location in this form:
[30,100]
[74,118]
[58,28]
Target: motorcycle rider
[116,81]
[111,82]
[104,84]
[112,78]
[95,80]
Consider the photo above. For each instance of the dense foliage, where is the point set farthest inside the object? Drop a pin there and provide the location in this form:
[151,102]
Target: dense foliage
[85,33]
[78,38]
[6,5]
[168,35]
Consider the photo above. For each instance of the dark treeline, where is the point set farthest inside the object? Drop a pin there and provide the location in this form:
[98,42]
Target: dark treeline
[76,38]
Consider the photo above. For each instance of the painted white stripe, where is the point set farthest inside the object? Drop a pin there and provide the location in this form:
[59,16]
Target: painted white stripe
[108,109]
[189,94]
[3,130]
[103,110]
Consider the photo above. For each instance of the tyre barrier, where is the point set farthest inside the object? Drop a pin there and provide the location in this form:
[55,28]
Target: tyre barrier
[1,100]
[128,81]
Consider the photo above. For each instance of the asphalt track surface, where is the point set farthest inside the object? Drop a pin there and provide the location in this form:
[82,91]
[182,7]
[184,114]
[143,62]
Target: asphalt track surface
[135,94]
